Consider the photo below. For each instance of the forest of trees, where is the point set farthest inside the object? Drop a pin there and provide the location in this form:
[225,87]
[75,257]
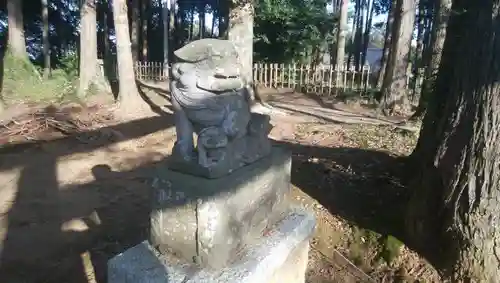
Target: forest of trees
[51,32]
[452,46]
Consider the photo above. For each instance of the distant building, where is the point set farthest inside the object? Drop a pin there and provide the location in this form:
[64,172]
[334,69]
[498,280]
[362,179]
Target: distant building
[373,57]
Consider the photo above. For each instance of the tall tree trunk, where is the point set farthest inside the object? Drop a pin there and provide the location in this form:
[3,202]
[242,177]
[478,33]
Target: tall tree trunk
[129,95]
[394,87]
[442,10]
[151,32]
[429,17]
[221,26]
[180,30]
[341,36]
[241,34]
[418,56]
[166,14]
[387,44]
[201,11]
[135,28]
[109,63]
[191,24]
[144,30]
[45,36]
[213,26]
[358,36]
[172,16]
[353,35]
[455,206]
[368,28]
[16,40]
[224,19]
[426,52]
[90,72]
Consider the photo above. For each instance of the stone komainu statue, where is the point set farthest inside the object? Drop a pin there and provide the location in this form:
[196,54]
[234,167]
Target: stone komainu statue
[211,100]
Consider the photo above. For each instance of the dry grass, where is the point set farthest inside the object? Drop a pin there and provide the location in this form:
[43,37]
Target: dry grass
[37,124]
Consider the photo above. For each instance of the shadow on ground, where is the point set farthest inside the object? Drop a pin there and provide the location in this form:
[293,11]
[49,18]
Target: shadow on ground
[160,88]
[49,230]
[54,233]
[361,186]
[110,214]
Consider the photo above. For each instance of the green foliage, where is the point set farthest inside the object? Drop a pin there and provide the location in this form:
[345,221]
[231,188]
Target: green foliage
[290,30]
[390,248]
[363,240]
[69,64]
[387,247]
[22,82]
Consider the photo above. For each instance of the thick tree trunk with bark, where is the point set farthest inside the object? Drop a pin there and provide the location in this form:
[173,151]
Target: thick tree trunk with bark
[241,34]
[201,11]
[358,35]
[181,29]
[223,19]
[387,44]
[144,30]
[417,57]
[455,207]
[131,104]
[90,72]
[341,35]
[212,28]
[353,43]
[45,36]
[109,62]
[166,12]
[128,88]
[135,28]
[429,11]
[394,87]
[442,10]
[368,28]
[191,24]
[16,40]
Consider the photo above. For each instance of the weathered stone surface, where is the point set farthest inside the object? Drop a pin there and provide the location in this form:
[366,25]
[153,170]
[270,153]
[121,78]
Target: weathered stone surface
[295,267]
[206,220]
[279,256]
[173,221]
[141,264]
[210,98]
[256,145]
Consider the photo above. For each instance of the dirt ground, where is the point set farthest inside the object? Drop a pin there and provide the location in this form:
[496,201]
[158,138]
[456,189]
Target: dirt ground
[69,205]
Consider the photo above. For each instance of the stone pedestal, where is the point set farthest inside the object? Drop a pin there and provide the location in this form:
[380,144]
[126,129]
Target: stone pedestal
[237,228]
[279,256]
[207,220]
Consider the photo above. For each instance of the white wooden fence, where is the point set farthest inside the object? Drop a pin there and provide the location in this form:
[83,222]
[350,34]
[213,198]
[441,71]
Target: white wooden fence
[151,71]
[322,79]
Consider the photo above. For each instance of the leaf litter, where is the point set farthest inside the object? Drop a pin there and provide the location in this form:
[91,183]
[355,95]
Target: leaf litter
[336,163]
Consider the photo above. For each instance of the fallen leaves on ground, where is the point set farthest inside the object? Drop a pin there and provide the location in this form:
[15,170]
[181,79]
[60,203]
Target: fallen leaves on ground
[342,161]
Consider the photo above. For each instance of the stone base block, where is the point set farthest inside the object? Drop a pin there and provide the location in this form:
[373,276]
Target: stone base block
[279,256]
[207,220]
